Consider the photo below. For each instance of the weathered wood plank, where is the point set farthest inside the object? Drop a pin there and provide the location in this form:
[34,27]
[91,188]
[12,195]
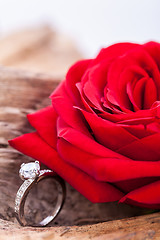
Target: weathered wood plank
[137,228]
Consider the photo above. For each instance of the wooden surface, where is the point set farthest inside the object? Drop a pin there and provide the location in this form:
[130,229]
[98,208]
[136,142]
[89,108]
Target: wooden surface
[136,228]
[23,92]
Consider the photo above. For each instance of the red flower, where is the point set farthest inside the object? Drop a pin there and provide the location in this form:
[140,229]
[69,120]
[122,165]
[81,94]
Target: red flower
[102,132]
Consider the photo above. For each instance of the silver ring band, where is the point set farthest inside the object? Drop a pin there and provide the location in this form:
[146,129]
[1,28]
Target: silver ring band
[34,177]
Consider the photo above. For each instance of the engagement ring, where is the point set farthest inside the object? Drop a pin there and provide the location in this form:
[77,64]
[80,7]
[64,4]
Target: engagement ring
[32,175]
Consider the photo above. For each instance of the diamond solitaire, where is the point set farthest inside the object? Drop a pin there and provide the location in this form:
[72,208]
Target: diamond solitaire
[29,170]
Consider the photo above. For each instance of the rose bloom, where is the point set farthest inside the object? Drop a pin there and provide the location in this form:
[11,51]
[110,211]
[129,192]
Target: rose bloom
[102,132]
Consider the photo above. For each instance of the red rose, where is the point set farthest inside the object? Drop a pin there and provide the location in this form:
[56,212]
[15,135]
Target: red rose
[102,132]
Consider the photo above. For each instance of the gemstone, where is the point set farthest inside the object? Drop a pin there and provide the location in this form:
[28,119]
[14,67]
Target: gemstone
[29,170]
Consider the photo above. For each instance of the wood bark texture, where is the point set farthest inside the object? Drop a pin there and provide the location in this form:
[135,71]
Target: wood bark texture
[23,92]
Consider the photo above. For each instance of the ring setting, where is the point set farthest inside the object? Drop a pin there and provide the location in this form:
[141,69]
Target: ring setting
[29,170]
[31,174]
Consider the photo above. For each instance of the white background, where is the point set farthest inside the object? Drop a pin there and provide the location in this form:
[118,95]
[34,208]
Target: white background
[91,23]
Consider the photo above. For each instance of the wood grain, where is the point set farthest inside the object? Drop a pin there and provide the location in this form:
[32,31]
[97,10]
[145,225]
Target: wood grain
[137,228]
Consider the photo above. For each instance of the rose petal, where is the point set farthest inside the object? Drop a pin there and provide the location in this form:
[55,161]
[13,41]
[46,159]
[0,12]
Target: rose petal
[114,51]
[137,120]
[139,130]
[129,90]
[137,57]
[108,169]
[132,184]
[107,133]
[82,141]
[32,145]
[44,121]
[65,108]
[145,149]
[145,116]
[139,91]
[86,103]
[150,93]
[74,75]
[146,196]
[129,75]
[153,48]
[96,80]
[99,162]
